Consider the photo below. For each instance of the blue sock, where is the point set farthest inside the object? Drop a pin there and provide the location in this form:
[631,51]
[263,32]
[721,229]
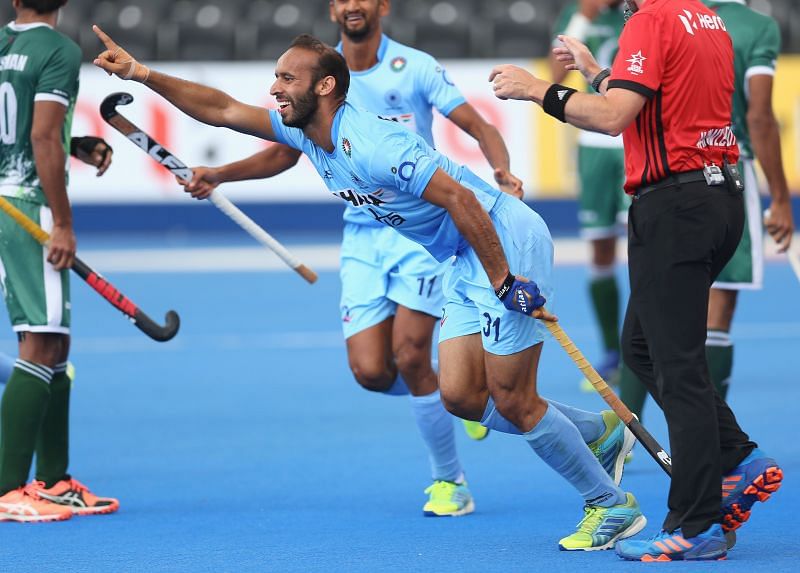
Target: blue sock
[399,387]
[589,424]
[557,441]
[6,367]
[494,420]
[436,427]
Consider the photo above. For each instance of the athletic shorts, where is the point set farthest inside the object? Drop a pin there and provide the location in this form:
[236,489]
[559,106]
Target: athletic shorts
[36,295]
[472,306]
[603,203]
[381,269]
[745,270]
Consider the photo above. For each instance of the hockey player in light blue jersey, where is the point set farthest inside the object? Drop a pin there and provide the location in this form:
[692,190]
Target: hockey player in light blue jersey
[490,341]
[392,287]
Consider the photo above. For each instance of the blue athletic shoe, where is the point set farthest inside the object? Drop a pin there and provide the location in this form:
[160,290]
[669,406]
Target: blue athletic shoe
[612,447]
[755,479]
[709,545]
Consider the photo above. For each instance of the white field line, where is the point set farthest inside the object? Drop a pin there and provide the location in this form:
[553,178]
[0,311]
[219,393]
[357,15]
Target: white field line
[333,339]
[320,257]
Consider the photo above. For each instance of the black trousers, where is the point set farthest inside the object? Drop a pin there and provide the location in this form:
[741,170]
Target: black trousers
[680,238]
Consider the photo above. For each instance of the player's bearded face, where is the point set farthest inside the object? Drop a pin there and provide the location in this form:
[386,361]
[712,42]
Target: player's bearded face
[300,109]
[356,19]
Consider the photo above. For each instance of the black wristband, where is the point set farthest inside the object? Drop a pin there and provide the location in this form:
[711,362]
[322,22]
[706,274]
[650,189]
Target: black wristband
[598,79]
[506,287]
[555,100]
[87,145]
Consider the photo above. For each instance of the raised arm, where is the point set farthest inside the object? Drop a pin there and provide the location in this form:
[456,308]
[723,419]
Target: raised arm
[205,104]
[270,162]
[766,140]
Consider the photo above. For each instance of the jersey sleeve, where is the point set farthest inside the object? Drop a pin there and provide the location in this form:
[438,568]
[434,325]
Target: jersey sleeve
[762,58]
[290,136]
[58,80]
[639,64]
[401,162]
[440,91]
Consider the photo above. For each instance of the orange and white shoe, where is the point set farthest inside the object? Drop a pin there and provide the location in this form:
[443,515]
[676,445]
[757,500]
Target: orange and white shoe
[76,497]
[25,505]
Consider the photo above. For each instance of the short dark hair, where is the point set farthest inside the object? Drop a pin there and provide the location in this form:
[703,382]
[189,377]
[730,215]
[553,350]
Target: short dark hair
[329,63]
[43,6]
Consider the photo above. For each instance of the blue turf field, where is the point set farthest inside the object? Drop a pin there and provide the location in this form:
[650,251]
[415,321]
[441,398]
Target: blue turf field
[244,445]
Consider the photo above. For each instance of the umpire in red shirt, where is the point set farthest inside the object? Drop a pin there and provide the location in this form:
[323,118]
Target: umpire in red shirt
[669,94]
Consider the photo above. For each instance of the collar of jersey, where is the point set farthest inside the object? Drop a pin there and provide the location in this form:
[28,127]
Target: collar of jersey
[742,2]
[381,53]
[335,131]
[25,27]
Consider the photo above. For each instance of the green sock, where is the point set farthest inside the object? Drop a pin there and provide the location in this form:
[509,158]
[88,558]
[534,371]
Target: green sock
[21,410]
[631,391]
[719,355]
[605,300]
[52,447]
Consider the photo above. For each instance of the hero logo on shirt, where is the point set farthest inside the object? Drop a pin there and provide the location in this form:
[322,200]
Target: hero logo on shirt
[705,21]
[356,199]
[636,60]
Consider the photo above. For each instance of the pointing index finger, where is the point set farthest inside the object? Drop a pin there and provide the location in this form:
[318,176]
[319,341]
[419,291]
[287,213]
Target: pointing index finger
[105,38]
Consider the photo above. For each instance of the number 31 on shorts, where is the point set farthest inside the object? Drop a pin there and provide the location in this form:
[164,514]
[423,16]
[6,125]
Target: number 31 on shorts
[492,327]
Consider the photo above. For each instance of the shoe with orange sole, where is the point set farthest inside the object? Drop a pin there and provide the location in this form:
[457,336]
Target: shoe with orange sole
[75,496]
[25,505]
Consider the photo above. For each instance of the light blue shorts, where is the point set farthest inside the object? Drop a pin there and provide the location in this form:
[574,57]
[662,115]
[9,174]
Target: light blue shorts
[472,306]
[381,269]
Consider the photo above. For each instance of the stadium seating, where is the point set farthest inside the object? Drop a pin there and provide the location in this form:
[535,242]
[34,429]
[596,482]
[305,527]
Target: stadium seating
[261,29]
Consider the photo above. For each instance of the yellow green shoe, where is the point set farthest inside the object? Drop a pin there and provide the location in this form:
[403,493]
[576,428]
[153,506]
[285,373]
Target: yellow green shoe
[613,446]
[602,527]
[71,372]
[475,430]
[448,499]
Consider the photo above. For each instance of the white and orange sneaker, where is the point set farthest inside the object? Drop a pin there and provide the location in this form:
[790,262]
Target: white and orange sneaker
[75,497]
[25,505]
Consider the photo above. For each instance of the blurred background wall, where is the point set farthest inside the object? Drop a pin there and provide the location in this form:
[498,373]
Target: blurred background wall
[232,45]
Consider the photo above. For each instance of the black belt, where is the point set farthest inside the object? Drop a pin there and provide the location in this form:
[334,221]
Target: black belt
[671,181]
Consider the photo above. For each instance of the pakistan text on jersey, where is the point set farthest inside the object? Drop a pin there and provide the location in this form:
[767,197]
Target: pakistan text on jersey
[718,137]
[15,62]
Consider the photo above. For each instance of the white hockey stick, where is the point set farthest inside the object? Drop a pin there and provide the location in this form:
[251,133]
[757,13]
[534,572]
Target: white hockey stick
[177,167]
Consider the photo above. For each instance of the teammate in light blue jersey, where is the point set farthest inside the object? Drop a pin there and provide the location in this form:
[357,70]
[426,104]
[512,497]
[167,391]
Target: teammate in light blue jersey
[392,287]
[490,341]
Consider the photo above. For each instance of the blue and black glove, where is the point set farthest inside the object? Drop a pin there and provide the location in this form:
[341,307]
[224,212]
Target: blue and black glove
[520,295]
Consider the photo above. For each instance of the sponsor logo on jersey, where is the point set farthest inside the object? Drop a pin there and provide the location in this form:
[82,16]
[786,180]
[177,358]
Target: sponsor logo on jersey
[717,137]
[703,21]
[346,147]
[636,60]
[445,77]
[14,62]
[398,64]
[357,199]
[406,170]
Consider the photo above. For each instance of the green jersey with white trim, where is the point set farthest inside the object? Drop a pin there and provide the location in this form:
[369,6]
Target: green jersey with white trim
[602,35]
[756,43]
[602,39]
[37,63]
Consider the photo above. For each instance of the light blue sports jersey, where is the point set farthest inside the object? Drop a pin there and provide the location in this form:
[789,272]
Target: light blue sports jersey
[382,169]
[404,86]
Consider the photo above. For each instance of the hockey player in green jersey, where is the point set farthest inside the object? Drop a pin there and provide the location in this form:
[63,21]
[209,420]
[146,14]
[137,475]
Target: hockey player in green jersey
[38,88]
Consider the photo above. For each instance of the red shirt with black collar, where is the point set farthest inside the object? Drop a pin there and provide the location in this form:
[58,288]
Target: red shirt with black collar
[677,54]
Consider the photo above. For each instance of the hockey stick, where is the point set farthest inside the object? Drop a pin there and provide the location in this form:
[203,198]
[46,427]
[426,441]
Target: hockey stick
[108,109]
[650,444]
[101,285]
[794,260]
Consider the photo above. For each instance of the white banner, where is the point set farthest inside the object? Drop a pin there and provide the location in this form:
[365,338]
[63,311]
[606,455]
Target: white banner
[134,177]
